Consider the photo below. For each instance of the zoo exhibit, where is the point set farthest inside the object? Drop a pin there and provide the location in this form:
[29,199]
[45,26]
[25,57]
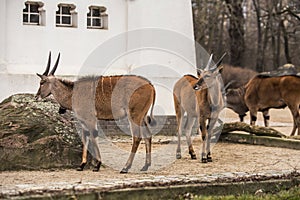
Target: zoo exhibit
[147,102]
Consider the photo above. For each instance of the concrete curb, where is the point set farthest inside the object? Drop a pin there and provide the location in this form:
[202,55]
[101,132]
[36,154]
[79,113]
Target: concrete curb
[159,187]
[260,140]
[215,189]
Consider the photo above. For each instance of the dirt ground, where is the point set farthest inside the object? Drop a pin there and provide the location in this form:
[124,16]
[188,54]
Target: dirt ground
[227,157]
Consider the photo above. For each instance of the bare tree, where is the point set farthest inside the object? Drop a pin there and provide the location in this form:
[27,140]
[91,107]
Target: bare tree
[261,35]
[260,58]
[236,31]
[210,19]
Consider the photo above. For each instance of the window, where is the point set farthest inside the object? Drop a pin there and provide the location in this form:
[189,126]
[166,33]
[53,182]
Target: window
[33,13]
[66,15]
[96,17]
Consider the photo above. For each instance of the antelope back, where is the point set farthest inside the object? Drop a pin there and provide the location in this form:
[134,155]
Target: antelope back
[114,96]
[236,76]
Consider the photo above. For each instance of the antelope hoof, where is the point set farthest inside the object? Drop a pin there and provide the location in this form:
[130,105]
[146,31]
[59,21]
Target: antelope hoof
[193,155]
[204,160]
[125,170]
[145,168]
[80,168]
[97,167]
[178,155]
[209,159]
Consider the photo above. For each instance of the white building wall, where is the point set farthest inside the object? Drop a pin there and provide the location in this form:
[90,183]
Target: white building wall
[167,45]
[173,22]
[28,45]
[151,24]
[2,35]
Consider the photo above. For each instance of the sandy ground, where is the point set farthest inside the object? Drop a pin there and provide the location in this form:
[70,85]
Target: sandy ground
[227,157]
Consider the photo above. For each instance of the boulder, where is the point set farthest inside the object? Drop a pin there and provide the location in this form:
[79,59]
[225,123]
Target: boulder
[33,135]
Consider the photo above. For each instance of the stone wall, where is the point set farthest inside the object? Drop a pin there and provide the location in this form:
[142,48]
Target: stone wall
[165,125]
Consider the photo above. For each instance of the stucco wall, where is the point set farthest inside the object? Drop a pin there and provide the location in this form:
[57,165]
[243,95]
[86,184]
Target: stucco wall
[27,46]
[151,38]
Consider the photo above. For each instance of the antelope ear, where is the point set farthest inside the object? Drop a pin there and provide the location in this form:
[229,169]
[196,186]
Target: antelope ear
[41,76]
[220,68]
[199,71]
[217,69]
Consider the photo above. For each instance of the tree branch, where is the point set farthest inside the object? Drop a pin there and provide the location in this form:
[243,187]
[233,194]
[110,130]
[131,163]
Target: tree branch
[256,130]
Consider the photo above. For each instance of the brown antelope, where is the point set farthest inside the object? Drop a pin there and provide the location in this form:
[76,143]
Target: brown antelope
[235,101]
[264,92]
[236,90]
[200,98]
[104,98]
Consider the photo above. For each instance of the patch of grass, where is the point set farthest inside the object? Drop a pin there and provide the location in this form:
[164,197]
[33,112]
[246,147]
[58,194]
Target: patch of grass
[291,194]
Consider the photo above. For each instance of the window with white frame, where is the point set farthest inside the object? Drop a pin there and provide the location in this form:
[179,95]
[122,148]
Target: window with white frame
[66,15]
[33,13]
[96,17]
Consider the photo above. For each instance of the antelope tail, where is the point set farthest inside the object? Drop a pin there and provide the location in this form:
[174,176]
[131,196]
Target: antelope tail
[150,119]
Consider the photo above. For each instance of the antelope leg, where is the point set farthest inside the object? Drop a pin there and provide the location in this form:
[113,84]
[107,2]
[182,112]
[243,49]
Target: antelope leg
[96,151]
[85,144]
[148,154]
[266,117]
[189,125]
[203,129]
[135,145]
[179,133]
[212,123]
[296,118]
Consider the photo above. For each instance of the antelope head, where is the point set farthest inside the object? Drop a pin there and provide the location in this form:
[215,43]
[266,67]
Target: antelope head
[47,79]
[209,74]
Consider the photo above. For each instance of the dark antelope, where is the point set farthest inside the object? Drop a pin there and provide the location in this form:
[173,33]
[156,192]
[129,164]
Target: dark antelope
[104,98]
[233,78]
[262,93]
[200,98]
[236,77]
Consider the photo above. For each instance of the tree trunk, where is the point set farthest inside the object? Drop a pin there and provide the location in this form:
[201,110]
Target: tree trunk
[259,60]
[286,43]
[236,31]
[278,8]
[256,130]
[272,32]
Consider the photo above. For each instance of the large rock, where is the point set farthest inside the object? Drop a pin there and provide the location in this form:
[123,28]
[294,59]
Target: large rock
[33,135]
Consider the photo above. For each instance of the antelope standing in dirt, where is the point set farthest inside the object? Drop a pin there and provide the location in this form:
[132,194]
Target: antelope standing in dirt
[200,98]
[265,92]
[104,98]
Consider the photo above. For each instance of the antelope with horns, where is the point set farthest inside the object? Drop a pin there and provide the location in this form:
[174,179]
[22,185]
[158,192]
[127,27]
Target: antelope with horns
[104,98]
[200,98]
